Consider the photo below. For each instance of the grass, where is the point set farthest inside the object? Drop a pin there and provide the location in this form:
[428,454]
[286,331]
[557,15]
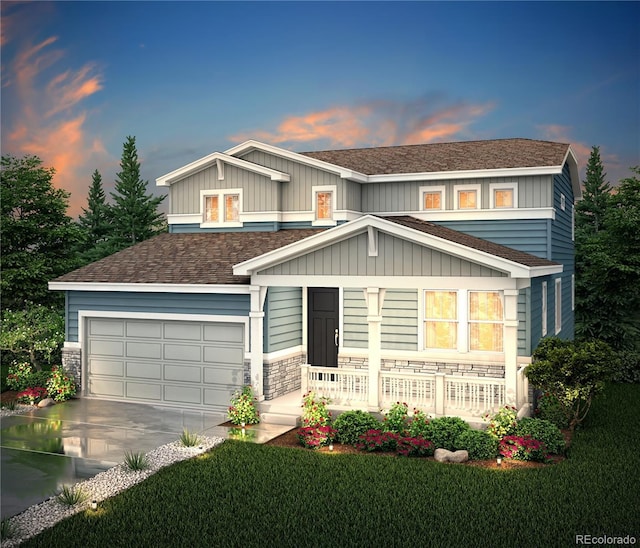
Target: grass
[253,495]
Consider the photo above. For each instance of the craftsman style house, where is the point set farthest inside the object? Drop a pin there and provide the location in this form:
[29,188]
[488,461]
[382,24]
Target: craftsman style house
[421,273]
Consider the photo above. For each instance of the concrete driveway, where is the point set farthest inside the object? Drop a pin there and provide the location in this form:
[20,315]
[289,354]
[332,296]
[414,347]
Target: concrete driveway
[70,442]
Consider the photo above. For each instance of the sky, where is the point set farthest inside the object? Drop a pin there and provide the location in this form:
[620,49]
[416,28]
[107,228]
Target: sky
[190,78]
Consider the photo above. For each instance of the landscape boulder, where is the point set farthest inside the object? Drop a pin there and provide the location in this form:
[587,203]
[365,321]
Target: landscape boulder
[46,402]
[444,455]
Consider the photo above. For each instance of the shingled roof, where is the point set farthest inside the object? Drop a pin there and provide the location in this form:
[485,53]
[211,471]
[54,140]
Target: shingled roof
[497,250]
[438,157]
[189,258]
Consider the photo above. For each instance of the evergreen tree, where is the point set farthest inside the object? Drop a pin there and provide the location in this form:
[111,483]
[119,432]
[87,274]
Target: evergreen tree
[95,223]
[39,240]
[591,210]
[135,215]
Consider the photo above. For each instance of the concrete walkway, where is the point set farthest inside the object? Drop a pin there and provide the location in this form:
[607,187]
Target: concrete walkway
[47,448]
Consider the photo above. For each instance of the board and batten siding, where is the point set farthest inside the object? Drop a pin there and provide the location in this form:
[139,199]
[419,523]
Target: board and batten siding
[283,318]
[260,193]
[533,192]
[156,303]
[396,257]
[297,193]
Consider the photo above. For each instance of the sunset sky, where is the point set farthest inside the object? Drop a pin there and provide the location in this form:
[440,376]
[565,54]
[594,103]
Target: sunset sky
[190,78]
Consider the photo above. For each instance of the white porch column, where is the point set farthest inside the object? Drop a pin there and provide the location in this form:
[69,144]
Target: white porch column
[256,322]
[374,297]
[511,347]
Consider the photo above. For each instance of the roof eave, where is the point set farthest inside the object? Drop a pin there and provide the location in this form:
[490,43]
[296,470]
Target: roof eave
[149,287]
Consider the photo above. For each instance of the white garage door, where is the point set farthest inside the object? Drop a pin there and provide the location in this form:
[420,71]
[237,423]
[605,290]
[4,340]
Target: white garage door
[192,364]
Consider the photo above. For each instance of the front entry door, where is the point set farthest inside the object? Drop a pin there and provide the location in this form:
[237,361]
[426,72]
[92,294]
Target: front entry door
[322,333]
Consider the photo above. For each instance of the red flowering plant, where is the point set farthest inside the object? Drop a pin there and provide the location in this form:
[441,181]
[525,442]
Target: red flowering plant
[314,437]
[378,440]
[396,419]
[243,409]
[314,410]
[523,448]
[32,395]
[61,385]
[414,447]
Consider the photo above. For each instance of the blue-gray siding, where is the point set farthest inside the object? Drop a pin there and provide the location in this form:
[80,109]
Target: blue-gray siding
[283,318]
[399,330]
[355,330]
[163,303]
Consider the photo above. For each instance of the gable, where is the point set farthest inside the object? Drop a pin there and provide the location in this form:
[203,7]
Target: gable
[395,257]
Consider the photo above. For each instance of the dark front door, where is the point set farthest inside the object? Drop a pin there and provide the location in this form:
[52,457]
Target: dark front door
[323,333]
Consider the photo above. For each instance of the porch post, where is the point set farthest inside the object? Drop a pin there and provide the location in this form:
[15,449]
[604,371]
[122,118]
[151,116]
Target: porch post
[511,348]
[256,333]
[374,298]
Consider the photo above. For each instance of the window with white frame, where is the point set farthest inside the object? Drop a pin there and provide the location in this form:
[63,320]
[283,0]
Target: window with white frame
[486,321]
[221,206]
[563,202]
[544,308]
[323,204]
[503,195]
[441,319]
[432,198]
[573,291]
[558,301]
[467,197]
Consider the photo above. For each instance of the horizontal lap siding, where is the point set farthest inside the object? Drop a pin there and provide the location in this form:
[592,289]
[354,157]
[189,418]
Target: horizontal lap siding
[355,327]
[400,320]
[283,321]
[524,334]
[162,303]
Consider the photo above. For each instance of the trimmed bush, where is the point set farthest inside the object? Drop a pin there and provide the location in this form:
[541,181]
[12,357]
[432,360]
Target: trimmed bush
[548,408]
[480,444]
[418,425]
[414,447]
[350,425]
[445,431]
[395,420]
[523,448]
[543,431]
[629,367]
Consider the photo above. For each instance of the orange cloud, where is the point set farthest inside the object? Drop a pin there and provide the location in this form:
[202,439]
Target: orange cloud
[48,119]
[377,123]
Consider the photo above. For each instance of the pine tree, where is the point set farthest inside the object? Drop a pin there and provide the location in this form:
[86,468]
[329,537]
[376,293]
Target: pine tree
[591,210]
[135,214]
[95,222]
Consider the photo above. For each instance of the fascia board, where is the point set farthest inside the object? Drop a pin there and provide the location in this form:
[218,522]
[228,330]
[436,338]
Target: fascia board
[464,174]
[570,157]
[203,163]
[538,271]
[250,145]
[235,289]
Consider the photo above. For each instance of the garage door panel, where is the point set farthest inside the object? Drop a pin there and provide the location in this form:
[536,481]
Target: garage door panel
[183,331]
[147,351]
[224,333]
[106,367]
[183,394]
[144,330]
[220,375]
[223,355]
[213,396]
[108,328]
[144,370]
[105,387]
[182,373]
[182,352]
[100,347]
[144,391]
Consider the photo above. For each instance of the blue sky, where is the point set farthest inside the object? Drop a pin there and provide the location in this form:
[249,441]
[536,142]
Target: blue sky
[190,78]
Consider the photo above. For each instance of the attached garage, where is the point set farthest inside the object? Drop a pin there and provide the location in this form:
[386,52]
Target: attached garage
[169,362]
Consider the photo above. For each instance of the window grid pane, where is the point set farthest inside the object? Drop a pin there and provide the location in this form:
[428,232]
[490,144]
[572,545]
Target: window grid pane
[486,321]
[467,199]
[441,315]
[211,209]
[433,200]
[231,203]
[323,205]
[503,198]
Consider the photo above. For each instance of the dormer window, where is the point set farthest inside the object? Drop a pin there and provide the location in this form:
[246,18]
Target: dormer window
[432,198]
[324,209]
[503,195]
[221,207]
[467,197]
[323,203]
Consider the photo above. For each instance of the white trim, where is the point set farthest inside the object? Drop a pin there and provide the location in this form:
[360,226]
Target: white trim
[521,214]
[472,358]
[372,241]
[267,217]
[573,292]
[464,174]
[466,188]
[433,189]
[230,289]
[221,193]
[503,186]
[315,190]
[558,305]
[278,355]
[159,316]
[212,159]
[563,201]
[545,309]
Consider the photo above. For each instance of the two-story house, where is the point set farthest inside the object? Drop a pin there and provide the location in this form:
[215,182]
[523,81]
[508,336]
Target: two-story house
[420,273]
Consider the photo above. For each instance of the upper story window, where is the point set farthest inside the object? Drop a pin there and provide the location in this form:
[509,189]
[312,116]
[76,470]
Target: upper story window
[221,207]
[323,201]
[503,195]
[432,197]
[467,197]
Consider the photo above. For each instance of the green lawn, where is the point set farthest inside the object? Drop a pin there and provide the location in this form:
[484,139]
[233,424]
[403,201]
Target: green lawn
[250,495]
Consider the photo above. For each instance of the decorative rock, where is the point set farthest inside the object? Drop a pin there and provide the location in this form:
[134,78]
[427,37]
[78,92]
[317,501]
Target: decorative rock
[444,455]
[46,402]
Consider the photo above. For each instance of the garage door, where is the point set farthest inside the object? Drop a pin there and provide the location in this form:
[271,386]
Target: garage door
[193,364]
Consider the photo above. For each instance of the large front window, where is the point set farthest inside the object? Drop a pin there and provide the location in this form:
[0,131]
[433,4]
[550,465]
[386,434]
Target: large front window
[441,319]
[486,321]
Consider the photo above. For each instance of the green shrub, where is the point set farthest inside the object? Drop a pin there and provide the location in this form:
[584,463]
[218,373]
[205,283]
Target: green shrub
[418,425]
[396,419]
[628,369]
[502,423]
[350,425]
[189,439]
[480,444]
[23,375]
[136,461]
[61,385]
[70,496]
[7,529]
[543,431]
[243,408]
[548,408]
[314,410]
[445,431]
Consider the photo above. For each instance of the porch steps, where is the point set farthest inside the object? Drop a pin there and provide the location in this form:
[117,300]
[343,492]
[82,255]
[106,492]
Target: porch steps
[284,410]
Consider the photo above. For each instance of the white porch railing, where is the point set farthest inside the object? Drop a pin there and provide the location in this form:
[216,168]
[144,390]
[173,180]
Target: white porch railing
[438,394]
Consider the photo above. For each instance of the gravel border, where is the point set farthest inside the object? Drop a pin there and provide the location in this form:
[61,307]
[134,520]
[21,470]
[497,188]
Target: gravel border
[102,486]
